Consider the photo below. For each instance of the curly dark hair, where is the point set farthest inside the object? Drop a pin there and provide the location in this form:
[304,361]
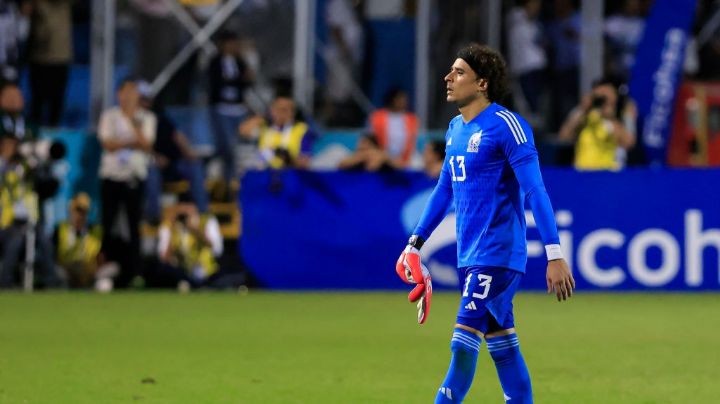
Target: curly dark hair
[488,64]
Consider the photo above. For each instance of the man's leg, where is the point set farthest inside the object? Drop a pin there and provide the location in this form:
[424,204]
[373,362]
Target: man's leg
[514,378]
[465,346]
[193,171]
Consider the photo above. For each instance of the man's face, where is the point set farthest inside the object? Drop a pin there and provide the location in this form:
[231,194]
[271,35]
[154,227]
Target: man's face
[8,147]
[128,95]
[462,84]
[282,111]
[78,217]
[400,102]
[11,99]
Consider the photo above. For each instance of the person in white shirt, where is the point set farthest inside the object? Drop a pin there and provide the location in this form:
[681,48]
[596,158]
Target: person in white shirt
[126,134]
[527,58]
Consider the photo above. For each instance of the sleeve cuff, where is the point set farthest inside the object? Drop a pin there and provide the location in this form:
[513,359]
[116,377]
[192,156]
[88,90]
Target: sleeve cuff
[553,252]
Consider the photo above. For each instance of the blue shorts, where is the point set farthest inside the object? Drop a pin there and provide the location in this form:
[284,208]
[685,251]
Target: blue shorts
[487,293]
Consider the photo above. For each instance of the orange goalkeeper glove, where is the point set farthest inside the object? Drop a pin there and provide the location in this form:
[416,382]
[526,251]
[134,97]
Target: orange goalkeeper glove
[410,269]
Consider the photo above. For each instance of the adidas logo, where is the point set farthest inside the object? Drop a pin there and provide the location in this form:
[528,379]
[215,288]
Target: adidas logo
[449,142]
[446,392]
[471,305]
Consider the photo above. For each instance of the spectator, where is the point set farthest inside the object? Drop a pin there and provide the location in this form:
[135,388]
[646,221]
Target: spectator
[601,126]
[229,77]
[19,212]
[564,35]
[433,158]
[623,32]
[50,50]
[396,128]
[173,159]
[343,56]
[527,60]
[77,244]
[284,142]
[127,134]
[189,244]
[368,156]
[14,26]
[12,121]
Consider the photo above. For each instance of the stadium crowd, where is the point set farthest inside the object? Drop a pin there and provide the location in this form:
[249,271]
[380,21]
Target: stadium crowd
[154,184]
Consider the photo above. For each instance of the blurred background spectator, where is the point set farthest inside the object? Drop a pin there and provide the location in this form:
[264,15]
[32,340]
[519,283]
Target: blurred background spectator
[283,141]
[126,133]
[368,156]
[50,53]
[77,244]
[20,216]
[564,35]
[602,128]
[229,78]
[526,55]
[396,128]
[433,158]
[174,160]
[343,54]
[14,30]
[189,244]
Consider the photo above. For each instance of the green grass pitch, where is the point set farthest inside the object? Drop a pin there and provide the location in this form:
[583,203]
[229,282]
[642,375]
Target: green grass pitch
[345,348]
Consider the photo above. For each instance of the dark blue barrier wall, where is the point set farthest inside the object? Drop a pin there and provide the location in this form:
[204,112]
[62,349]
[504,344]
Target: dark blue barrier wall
[639,229]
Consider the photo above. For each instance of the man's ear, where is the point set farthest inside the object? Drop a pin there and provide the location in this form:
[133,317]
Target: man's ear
[482,85]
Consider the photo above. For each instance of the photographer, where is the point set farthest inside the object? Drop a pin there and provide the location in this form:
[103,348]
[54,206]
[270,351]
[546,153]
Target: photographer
[284,142]
[189,244]
[77,244]
[602,127]
[21,237]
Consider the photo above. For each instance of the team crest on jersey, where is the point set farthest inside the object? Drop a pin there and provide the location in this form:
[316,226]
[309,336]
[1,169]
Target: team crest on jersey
[474,142]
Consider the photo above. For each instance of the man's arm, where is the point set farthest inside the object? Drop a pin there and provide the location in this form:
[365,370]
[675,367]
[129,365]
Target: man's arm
[559,277]
[437,205]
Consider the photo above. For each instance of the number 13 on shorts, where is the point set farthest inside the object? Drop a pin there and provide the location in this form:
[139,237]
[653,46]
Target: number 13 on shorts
[483,282]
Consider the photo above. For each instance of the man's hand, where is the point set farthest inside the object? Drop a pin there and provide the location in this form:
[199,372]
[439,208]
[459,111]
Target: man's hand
[411,270]
[560,279]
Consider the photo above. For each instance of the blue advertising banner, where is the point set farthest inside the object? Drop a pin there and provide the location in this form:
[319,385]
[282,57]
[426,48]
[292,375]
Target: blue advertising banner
[655,75]
[634,230]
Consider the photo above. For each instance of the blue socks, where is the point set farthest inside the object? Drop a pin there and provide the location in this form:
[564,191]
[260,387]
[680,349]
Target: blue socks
[465,346]
[511,369]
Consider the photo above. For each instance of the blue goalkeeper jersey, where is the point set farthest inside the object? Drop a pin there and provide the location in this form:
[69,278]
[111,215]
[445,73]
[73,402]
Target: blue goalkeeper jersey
[491,165]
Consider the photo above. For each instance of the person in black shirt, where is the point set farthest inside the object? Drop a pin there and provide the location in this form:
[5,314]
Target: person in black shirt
[229,77]
[173,160]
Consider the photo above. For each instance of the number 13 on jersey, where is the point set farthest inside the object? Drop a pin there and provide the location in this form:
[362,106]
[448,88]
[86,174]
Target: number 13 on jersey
[460,160]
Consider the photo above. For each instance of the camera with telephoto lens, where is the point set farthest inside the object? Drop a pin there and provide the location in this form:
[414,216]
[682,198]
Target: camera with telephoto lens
[598,101]
[40,156]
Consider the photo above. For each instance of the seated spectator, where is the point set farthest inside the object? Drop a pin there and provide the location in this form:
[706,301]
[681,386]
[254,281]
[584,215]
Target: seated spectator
[174,160]
[602,127]
[368,156]
[433,158]
[284,141]
[396,128]
[189,244]
[77,244]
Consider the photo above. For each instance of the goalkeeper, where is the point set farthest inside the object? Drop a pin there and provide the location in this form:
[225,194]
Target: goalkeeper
[491,168]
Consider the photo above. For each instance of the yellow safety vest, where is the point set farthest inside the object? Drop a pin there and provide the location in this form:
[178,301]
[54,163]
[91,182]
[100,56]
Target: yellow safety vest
[596,147]
[73,250]
[190,253]
[272,139]
[16,199]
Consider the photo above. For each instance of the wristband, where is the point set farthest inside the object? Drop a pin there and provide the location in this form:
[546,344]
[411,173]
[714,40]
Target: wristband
[553,252]
[416,241]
